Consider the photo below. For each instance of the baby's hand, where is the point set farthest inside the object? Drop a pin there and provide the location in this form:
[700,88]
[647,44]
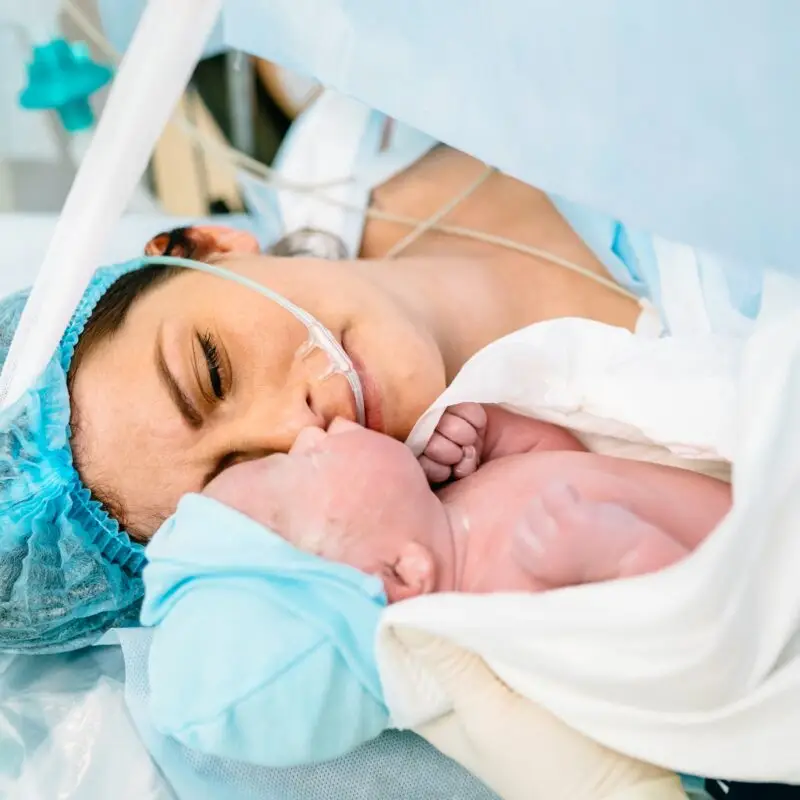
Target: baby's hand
[455,448]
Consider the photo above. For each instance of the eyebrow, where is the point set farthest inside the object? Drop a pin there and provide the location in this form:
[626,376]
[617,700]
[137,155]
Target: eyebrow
[184,405]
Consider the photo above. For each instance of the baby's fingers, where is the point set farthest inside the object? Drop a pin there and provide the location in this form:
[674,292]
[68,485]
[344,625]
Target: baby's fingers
[443,451]
[434,472]
[472,413]
[468,464]
[458,429]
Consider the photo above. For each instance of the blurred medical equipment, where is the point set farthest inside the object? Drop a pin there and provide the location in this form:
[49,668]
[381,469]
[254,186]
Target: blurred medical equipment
[241,86]
[62,77]
[42,72]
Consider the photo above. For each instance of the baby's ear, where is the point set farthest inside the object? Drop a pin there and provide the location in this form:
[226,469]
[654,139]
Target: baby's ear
[414,573]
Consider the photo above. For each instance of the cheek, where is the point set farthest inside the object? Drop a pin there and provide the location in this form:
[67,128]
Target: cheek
[365,555]
[261,339]
[320,515]
[407,367]
[354,533]
[262,490]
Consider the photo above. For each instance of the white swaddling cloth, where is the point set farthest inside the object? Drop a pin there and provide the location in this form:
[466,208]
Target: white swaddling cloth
[695,668]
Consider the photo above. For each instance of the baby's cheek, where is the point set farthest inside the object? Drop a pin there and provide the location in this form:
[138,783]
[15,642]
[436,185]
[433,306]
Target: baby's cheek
[327,523]
[354,530]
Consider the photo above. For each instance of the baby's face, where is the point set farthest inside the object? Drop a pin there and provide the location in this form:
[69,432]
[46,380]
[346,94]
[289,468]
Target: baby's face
[349,495]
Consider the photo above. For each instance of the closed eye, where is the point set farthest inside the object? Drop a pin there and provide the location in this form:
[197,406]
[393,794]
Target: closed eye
[213,363]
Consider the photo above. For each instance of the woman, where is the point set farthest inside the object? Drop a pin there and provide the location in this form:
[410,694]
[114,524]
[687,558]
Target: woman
[409,324]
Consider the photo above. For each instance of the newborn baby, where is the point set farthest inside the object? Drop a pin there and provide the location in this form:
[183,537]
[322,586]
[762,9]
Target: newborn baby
[530,508]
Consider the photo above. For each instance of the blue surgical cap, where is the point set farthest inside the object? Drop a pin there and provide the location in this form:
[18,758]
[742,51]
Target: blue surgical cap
[262,653]
[67,570]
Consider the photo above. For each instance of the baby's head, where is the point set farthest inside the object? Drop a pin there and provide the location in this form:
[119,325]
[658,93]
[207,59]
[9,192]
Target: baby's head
[349,495]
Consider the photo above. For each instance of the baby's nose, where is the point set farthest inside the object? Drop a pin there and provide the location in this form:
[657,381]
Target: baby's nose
[340,425]
[308,439]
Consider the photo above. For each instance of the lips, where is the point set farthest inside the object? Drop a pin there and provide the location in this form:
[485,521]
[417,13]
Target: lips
[373,405]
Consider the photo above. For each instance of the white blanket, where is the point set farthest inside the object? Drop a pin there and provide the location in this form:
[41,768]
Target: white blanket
[696,668]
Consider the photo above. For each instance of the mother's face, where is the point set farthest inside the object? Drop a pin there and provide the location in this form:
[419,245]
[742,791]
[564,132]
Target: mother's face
[204,373]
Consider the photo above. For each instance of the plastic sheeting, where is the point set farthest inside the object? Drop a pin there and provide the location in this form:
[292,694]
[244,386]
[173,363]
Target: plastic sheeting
[65,731]
[76,727]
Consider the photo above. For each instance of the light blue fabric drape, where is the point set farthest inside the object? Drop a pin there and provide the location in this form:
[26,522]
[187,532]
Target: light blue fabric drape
[679,118]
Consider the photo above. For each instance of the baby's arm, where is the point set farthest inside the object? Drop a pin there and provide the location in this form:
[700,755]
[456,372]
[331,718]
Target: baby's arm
[510,434]
[564,539]
[469,434]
